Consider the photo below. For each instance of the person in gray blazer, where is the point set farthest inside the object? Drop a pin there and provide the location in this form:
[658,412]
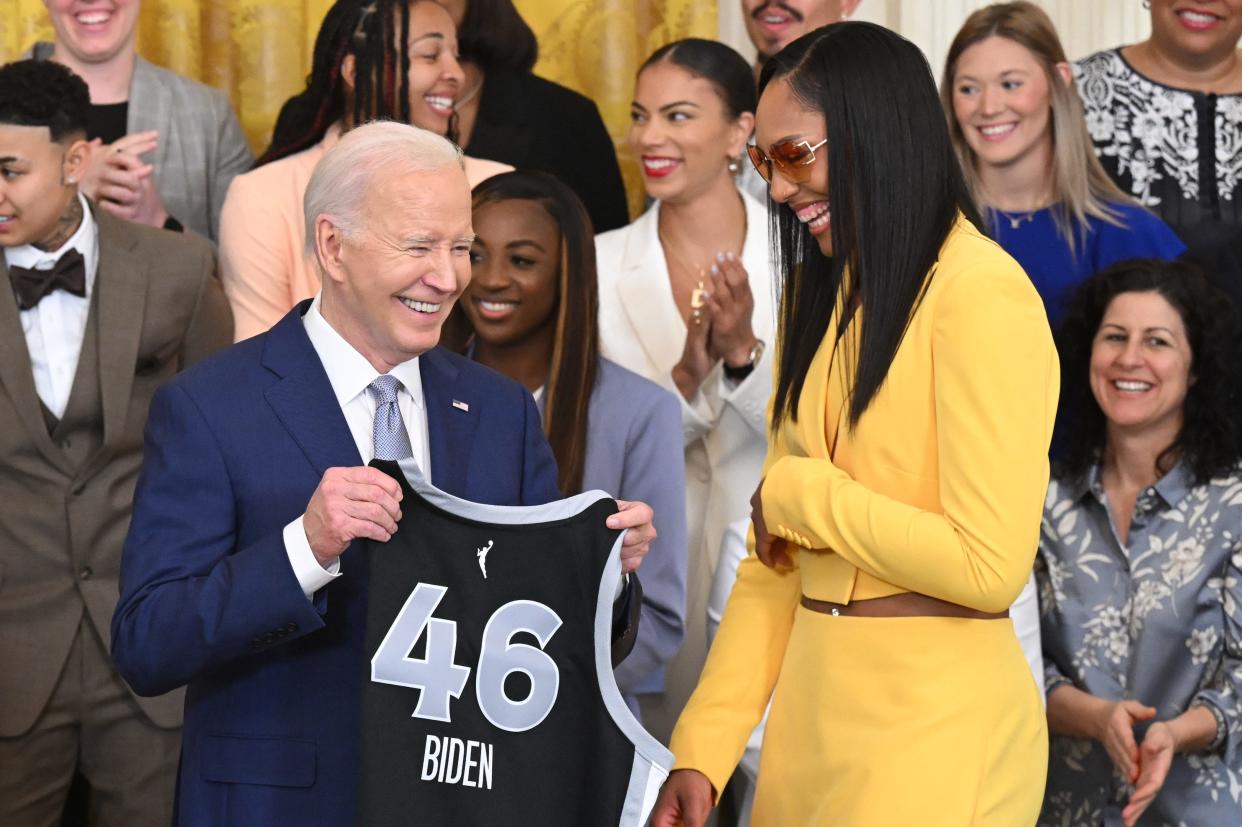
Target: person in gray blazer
[532,306]
[95,313]
[165,147]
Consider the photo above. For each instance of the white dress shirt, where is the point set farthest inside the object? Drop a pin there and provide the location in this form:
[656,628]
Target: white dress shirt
[56,326]
[349,374]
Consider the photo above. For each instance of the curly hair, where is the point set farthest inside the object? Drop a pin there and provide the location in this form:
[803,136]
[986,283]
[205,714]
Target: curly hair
[43,93]
[1210,441]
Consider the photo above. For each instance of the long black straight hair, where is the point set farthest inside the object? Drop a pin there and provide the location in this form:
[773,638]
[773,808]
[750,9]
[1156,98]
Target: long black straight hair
[575,351]
[895,190]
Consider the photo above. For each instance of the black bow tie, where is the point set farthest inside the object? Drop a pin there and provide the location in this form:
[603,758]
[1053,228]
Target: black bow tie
[30,285]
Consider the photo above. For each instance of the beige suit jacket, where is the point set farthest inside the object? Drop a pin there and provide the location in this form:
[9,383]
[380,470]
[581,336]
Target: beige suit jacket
[66,487]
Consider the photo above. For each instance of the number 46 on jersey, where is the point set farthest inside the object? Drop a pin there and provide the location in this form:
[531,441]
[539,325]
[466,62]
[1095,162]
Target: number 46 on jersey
[441,679]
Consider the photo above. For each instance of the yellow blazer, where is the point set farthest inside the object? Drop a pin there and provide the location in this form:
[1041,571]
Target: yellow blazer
[939,488]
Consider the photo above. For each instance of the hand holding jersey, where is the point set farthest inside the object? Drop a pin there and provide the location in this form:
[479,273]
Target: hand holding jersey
[363,503]
[639,520]
[351,504]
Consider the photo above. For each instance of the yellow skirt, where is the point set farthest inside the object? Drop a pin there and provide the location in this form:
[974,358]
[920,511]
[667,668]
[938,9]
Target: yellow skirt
[888,722]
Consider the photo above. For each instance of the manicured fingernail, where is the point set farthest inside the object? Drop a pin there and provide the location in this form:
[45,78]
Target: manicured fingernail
[720,256]
[715,270]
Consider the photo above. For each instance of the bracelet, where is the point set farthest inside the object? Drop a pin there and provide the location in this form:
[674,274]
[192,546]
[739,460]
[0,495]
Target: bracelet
[1222,729]
[739,373]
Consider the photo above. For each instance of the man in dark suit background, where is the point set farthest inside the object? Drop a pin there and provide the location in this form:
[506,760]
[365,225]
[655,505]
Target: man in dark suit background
[240,575]
[95,313]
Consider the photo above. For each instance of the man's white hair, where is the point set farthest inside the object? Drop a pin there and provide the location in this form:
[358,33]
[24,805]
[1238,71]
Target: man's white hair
[341,179]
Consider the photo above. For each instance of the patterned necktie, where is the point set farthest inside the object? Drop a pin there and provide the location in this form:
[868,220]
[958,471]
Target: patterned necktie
[389,438]
[31,285]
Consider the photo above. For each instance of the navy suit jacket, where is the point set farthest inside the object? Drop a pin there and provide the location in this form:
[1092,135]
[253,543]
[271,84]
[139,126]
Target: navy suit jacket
[234,449]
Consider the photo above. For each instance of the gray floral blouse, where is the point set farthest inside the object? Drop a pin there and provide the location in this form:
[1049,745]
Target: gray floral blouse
[1159,621]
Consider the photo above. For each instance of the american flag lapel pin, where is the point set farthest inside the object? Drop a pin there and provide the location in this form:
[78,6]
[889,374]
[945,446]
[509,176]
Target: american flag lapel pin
[461,406]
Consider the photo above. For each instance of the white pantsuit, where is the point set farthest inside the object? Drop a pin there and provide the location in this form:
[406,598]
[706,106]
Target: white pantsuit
[724,425]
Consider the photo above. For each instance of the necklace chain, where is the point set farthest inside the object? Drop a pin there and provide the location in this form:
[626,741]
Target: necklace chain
[1017,220]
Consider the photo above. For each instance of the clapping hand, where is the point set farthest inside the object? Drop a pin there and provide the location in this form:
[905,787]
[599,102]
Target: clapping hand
[731,305]
[696,358]
[1117,735]
[122,183]
[1155,758]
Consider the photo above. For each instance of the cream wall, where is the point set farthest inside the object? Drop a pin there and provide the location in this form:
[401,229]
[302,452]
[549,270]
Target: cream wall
[1085,26]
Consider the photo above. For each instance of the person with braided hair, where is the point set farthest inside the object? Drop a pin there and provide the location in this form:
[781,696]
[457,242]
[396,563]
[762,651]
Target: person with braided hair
[373,60]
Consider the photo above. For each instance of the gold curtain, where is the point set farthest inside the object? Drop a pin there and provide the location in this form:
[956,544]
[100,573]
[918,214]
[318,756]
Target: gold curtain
[595,47]
[259,51]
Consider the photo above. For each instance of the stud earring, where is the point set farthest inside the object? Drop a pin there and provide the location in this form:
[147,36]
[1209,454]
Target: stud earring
[70,180]
[735,165]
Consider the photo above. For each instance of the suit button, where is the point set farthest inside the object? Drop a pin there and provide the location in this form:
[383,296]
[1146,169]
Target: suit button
[85,573]
[66,444]
[289,628]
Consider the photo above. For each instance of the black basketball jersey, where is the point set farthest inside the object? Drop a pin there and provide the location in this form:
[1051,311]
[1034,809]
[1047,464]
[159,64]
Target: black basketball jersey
[489,696]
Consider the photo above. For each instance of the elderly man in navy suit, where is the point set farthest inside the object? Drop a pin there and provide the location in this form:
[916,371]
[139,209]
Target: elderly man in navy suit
[240,574]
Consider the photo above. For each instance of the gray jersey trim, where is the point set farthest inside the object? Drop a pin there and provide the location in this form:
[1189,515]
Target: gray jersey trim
[652,760]
[498,514]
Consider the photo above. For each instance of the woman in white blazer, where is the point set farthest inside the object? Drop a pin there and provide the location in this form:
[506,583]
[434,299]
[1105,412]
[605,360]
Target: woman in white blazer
[686,299]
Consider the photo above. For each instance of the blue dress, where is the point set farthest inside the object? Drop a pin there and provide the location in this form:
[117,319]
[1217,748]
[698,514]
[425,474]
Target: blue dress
[1056,271]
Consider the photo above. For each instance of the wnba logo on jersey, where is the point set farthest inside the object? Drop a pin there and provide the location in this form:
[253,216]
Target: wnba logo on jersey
[488,669]
[482,555]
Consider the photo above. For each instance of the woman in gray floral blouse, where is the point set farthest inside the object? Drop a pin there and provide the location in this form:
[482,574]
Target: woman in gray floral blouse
[1140,561]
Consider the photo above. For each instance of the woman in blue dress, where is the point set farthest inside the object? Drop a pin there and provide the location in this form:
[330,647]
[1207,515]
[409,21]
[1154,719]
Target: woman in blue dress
[1017,122]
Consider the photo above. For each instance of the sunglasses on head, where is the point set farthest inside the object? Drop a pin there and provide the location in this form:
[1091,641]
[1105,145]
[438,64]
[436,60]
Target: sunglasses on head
[793,158]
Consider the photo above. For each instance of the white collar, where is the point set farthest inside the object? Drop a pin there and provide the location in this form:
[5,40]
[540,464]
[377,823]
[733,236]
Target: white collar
[85,240]
[348,371]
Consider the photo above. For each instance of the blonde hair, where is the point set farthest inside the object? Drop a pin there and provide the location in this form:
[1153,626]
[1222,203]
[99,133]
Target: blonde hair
[1080,186]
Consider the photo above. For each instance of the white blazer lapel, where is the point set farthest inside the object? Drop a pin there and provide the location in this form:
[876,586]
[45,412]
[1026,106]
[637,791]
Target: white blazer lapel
[647,296]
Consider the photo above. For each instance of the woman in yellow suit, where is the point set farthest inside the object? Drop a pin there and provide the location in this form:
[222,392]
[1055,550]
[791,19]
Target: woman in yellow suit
[899,513]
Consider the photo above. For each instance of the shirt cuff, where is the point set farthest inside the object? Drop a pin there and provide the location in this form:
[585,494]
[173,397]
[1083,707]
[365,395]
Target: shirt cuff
[1222,727]
[311,576]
